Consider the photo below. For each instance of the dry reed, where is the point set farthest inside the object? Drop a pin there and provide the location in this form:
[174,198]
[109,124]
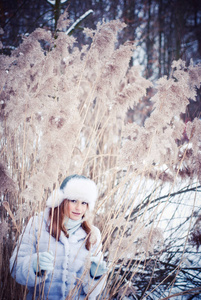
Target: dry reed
[64,113]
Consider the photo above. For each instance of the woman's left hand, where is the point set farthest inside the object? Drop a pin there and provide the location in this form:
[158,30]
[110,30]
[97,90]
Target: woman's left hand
[98,267]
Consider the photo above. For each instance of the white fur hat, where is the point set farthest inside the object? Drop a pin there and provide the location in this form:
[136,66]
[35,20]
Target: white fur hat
[75,187]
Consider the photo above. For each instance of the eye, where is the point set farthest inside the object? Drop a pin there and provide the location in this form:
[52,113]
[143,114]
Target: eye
[84,203]
[73,201]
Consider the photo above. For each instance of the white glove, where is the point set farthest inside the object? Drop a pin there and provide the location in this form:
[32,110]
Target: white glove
[45,261]
[98,268]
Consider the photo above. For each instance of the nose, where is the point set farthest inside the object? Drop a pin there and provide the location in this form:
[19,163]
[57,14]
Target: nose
[78,205]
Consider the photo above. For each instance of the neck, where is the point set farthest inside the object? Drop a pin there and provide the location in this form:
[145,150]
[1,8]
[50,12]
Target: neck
[72,225]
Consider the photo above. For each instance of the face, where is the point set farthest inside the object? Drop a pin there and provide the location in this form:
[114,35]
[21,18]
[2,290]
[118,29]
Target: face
[76,209]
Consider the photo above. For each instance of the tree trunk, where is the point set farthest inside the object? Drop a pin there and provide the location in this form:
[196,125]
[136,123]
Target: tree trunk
[57,10]
[160,31]
[149,42]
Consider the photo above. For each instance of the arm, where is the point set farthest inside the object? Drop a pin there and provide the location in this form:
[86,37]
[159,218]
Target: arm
[24,255]
[93,281]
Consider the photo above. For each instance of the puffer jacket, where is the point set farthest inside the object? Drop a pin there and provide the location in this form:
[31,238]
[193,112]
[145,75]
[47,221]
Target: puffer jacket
[70,277]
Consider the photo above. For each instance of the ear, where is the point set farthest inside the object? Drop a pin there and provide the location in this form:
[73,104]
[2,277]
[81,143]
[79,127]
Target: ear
[55,199]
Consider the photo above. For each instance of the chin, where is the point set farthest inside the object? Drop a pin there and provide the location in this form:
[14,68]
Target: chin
[74,217]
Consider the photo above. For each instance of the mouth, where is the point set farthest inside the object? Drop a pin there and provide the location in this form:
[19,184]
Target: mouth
[76,214]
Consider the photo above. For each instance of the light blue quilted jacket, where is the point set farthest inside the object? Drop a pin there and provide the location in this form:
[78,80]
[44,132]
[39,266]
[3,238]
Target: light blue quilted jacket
[71,275]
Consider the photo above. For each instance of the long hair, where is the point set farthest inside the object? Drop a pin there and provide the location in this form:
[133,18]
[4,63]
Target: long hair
[56,223]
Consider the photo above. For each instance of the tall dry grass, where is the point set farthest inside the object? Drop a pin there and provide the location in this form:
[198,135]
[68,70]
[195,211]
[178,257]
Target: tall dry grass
[64,112]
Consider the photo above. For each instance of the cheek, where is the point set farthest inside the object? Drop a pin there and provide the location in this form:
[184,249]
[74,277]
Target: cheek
[84,209]
[68,208]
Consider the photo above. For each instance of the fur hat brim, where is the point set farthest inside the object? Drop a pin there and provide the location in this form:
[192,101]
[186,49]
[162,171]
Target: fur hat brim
[82,189]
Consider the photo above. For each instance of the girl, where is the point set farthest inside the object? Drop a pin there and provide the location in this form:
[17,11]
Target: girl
[59,254]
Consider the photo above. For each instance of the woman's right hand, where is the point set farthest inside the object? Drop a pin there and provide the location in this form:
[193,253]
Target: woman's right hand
[45,260]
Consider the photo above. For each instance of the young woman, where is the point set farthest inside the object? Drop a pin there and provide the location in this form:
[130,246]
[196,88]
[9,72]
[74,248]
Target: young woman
[59,254]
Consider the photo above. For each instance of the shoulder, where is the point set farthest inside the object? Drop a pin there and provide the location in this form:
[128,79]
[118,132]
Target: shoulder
[95,235]
[36,221]
[95,230]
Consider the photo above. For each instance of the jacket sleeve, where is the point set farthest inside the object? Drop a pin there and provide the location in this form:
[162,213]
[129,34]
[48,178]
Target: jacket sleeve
[21,261]
[91,286]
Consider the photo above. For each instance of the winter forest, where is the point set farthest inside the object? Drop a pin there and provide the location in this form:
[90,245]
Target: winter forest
[111,90]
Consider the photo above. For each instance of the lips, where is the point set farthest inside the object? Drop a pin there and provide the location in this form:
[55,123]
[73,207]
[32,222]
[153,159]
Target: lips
[77,214]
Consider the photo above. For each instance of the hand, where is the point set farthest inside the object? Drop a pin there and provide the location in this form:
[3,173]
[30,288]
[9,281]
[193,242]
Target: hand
[98,267]
[45,261]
